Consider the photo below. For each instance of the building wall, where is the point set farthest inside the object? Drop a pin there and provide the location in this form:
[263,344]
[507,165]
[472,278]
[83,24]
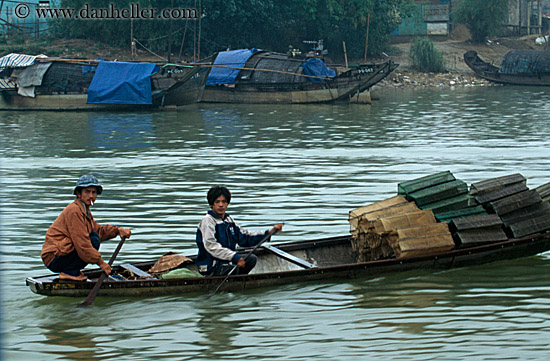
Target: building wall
[429,18]
[435,17]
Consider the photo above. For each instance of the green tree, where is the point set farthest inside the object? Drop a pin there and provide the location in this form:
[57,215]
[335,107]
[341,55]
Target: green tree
[266,24]
[482,18]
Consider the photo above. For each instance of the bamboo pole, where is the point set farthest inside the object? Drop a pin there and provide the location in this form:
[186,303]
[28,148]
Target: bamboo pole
[170,32]
[367,38]
[95,62]
[345,54]
[200,26]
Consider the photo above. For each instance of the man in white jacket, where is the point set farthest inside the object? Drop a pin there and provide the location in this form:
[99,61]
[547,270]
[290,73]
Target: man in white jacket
[218,236]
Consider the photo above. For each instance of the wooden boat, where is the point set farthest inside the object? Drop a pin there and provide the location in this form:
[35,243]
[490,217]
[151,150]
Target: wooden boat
[518,67]
[189,92]
[315,260]
[269,77]
[64,86]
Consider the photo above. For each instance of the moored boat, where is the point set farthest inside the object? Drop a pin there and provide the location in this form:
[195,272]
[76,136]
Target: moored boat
[264,77]
[41,83]
[518,67]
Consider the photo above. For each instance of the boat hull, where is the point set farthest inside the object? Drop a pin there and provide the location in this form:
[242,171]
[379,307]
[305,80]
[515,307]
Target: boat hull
[345,87]
[168,87]
[333,257]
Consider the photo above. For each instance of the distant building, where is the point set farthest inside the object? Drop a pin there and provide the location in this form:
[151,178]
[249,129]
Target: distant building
[434,18]
[527,17]
[428,18]
[19,18]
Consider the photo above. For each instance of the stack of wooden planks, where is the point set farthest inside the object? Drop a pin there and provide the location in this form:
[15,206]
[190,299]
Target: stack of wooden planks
[476,230]
[396,227]
[544,191]
[521,209]
[438,212]
[441,192]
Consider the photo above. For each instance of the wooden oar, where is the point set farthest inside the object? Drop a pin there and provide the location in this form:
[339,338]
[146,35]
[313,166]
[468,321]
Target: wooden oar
[95,290]
[248,254]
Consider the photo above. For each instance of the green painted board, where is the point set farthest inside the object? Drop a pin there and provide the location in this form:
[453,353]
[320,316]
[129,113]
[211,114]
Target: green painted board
[439,192]
[451,204]
[464,212]
[417,184]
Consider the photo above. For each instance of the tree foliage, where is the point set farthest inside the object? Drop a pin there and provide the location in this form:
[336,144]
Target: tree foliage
[482,18]
[266,24]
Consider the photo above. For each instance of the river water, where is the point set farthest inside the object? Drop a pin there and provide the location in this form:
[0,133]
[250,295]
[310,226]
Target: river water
[304,165]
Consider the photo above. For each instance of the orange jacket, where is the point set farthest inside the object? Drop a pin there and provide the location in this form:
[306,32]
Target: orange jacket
[71,230]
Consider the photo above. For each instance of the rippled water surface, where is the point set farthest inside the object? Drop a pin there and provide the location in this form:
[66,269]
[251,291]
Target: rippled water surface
[304,165]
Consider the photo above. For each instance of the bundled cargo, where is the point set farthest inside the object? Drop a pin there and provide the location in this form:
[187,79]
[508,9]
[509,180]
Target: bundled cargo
[399,229]
[420,240]
[441,192]
[414,185]
[477,230]
[355,214]
[438,212]
[494,189]
[366,241]
[368,220]
[544,191]
[477,210]
[521,210]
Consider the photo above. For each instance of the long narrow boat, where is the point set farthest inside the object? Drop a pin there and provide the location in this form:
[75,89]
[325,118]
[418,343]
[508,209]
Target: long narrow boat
[315,260]
[64,84]
[518,67]
[264,77]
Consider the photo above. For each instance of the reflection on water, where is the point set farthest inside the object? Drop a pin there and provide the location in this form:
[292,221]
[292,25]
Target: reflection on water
[114,132]
[306,165]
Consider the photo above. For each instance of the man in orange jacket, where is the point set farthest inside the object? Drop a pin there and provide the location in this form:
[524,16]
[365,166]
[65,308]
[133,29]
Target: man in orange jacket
[72,241]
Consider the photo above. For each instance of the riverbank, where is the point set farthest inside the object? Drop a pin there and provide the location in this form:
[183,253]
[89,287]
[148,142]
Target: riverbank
[412,79]
[453,49]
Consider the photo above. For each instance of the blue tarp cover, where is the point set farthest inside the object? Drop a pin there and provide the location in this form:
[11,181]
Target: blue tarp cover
[317,67]
[232,58]
[117,82]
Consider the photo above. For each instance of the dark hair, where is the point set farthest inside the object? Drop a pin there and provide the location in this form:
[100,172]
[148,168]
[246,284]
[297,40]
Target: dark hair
[217,191]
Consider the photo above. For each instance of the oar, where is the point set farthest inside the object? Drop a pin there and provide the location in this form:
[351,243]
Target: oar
[248,254]
[95,290]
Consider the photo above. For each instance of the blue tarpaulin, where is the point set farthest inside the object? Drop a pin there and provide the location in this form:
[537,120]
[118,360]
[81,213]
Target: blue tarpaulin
[317,67]
[121,83]
[232,58]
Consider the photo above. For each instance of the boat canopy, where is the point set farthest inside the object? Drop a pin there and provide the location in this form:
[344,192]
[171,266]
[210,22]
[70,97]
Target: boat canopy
[122,83]
[531,62]
[232,62]
[14,60]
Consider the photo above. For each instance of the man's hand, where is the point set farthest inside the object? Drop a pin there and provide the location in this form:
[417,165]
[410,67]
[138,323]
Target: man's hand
[105,267]
[241,262]
[124,232]
[278,227]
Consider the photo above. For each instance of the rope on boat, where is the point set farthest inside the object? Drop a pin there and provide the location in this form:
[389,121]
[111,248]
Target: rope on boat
[259,69]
